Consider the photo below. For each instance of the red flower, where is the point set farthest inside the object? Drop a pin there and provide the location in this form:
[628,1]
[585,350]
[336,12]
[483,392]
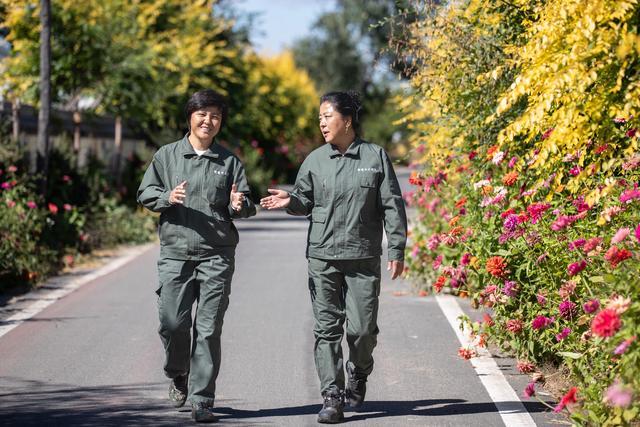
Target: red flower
[466,353]
[616,255]
[31,204]
[568,399]
[53,208]
[606,323]
[497,266]
[487,319]
[546,134]
[439,283]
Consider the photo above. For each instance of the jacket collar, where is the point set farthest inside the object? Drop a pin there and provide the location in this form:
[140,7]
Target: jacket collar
[352,151]
[187,150]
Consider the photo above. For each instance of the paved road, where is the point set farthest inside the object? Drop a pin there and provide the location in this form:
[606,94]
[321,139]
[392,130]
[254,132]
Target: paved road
[94,358]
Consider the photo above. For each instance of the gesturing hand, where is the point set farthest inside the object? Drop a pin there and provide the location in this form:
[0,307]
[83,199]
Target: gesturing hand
[277,200]
[178,194]
[395,267]
[237,198]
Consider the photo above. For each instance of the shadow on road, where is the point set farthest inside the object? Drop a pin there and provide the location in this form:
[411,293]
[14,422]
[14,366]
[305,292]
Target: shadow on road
[383,409]
[36,403]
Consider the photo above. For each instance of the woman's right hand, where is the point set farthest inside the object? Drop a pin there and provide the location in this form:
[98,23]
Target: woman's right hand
[178,194]
[277,200]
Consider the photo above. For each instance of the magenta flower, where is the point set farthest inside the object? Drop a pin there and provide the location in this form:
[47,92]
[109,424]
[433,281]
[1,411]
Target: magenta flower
[575,171]
[637,233]
[591,244]
[512,162]
[510,222]
[576,267]
[580,204]
[5,185]
[591,306]
[620,235]
[529,390]
[561,222]
[31,205]
[562,335]
[541,322]
[630,195]
[536,210]
[578,243]
[567,309]
[437,262]
[433,242]
[466,259]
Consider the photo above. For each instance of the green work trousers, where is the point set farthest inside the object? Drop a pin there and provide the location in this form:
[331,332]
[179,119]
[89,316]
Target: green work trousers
[181,283]
[344,290]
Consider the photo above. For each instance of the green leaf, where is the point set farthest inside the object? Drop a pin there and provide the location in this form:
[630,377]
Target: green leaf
[597,279]
[570,354]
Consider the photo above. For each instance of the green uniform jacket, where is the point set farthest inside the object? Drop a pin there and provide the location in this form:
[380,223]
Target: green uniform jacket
[203,226]
[348,199]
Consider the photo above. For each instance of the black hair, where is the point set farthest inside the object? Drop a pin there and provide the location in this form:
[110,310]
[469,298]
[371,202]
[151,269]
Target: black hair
[206,98]
[348,104]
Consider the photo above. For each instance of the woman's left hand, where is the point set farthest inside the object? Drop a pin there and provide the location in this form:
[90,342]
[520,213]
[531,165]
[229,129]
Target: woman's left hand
[237,198]
[395,267]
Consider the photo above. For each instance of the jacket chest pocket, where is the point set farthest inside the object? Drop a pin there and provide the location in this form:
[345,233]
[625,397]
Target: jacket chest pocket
[216,189]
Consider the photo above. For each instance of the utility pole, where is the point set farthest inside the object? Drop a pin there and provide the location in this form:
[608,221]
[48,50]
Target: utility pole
[40,162]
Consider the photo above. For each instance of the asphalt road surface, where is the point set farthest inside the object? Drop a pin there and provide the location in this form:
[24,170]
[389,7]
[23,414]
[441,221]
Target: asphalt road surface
[93,358]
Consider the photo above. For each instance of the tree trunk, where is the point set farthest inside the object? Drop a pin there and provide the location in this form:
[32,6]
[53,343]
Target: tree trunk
[117,155]
[41,162]
[15,120]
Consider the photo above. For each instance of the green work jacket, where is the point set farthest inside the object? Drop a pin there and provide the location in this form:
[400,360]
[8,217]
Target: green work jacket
[349,199]
[202,227]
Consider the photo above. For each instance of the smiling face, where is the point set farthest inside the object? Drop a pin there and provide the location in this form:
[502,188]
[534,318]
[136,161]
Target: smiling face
[205,123]
[335,128]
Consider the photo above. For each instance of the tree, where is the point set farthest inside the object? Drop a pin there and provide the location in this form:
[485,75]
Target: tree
[41,161]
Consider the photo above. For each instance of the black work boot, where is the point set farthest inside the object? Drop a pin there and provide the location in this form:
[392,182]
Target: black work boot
[202,412]
[332,409]
[178,390]
[356,388]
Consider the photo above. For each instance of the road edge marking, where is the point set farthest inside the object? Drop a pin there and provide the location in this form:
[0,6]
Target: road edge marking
[507,401]
[45,299]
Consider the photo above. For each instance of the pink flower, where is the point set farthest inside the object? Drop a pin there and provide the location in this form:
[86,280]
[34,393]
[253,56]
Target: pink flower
[510,288]
[529,390]
[637,233]
[580,204]
[591,244]
[536,210]
[541,322]
[53,208]
[561,222]
[619,120]
[542,299]
[12,169]
[31,205]
[619,304]
[591,306]
[437,262]
[546,134]
[618,395]
[576,267]
[67,207]
[525,367]
[630,195]
[497,157]
[620,235]
[575,171]
[624,345]
[512,162]
[562,335]
[11,203]
[606,323]
[578,243]
[433,242]
[541,258]
[567,288]
[5,185]
[514,325]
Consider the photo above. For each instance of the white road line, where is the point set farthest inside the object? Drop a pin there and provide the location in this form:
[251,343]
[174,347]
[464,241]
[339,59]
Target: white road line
[507,402]
[43,300]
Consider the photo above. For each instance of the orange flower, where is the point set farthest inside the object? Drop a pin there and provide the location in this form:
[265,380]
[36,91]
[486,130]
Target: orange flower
[423,293]
[497,266]
[510,178]
[456,231]
[487,190]
[491,151]
[453,221]
[460,203]
[467,353]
